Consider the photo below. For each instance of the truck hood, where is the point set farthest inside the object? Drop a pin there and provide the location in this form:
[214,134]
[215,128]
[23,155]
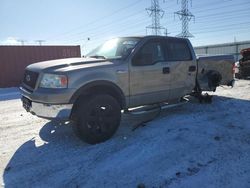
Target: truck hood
[69,63]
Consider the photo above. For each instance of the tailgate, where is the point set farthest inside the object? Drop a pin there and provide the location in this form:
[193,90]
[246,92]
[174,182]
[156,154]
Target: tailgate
[222,64]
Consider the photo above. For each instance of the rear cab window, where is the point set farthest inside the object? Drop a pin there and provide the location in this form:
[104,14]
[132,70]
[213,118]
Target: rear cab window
[177,50]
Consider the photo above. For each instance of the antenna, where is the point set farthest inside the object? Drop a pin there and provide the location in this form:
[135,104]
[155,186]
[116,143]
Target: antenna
[156,13]
[185,16]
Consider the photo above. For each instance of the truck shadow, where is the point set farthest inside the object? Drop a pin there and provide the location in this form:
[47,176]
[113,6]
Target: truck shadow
[61,159]
[9,94]
[58,146]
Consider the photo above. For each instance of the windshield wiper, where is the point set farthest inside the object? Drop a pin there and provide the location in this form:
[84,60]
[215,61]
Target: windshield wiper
[98,56]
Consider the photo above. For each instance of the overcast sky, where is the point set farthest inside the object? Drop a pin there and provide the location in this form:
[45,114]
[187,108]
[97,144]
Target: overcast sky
[72,22]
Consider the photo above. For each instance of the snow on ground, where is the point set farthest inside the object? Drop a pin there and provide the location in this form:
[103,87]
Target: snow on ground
[194,145]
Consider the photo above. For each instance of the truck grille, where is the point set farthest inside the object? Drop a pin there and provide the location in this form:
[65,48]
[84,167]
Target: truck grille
[30,78]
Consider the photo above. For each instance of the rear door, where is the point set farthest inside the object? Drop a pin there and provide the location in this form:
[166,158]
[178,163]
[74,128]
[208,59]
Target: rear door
[182,67]
[149,75]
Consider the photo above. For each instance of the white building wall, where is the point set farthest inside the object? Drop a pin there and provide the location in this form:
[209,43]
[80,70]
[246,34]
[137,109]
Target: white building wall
[227,48]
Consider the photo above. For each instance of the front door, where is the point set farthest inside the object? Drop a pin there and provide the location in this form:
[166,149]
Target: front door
[149,75]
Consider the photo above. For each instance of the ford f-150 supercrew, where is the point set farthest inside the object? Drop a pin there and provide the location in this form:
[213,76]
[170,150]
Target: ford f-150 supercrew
[120,74]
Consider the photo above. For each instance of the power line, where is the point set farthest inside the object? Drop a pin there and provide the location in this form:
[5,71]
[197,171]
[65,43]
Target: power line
[212,22]
[106,24]
[97,20]
[200,31]
[201,10]
[243,30]
[138,23]
[124,27]
[227,28]
[128,24]
[203,4]
[224,13]
[218,7]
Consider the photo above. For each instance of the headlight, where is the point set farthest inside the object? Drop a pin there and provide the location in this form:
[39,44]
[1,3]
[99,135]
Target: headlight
[54,81]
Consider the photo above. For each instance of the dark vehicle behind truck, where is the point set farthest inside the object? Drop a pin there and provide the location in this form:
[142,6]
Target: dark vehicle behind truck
[244,64]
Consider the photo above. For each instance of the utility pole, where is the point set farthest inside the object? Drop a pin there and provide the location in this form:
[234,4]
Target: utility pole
[22,42]
[40,42]
[185,16]
[166,32]
[156,13]
[84,45]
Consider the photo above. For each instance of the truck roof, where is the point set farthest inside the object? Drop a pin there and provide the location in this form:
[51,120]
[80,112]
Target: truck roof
[152,36]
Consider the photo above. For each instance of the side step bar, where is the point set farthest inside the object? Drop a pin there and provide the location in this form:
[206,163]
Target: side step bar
[154,108]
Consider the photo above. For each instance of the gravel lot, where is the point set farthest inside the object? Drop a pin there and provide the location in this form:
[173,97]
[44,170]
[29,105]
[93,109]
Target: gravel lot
[195,145]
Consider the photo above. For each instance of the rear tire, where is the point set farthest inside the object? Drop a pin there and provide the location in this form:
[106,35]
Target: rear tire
[97,118]
[214,79]
[238,76]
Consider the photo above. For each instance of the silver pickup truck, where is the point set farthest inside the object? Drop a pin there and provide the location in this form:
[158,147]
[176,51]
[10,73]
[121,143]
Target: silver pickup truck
[120,74]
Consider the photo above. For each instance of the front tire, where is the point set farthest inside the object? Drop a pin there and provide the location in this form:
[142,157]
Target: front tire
[97,118]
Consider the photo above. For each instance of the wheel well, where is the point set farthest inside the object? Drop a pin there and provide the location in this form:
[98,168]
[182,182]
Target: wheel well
[214,78]
[103,89]
[98,88]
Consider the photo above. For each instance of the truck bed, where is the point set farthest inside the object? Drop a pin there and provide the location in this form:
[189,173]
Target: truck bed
[210,66]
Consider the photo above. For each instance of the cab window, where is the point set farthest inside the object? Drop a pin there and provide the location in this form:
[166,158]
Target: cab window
[177,50]
[149,54]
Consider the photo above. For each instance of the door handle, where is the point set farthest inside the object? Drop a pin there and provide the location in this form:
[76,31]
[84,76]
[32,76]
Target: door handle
[166,70]
[192,68]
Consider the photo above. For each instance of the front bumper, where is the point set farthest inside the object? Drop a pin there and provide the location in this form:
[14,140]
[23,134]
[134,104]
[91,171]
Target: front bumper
[48,103]
[47,111]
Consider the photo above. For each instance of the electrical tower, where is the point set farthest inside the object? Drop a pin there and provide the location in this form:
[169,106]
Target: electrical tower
[185,16]
[156,13]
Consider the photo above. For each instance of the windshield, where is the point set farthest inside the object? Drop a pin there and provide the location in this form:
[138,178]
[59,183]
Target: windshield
[114,48]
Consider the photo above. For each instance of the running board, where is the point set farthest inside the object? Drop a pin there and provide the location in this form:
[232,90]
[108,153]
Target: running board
[154,108]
